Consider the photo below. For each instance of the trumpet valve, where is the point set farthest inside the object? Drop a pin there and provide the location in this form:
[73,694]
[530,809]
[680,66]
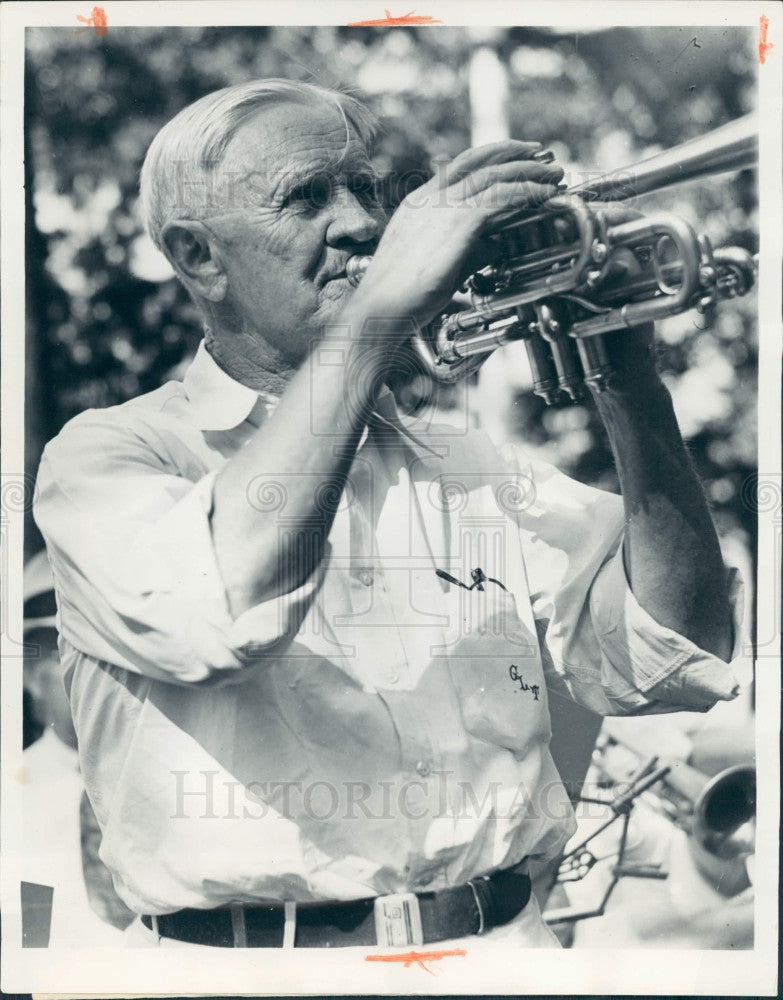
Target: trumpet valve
[564,353]
[542,365]
[595,362]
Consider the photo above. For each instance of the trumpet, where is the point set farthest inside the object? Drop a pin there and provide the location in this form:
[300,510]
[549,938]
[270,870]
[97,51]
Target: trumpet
[564,275]
[717,813]
[720,817]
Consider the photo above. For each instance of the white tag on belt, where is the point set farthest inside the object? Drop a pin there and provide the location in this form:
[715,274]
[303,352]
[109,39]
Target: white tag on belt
[398,920]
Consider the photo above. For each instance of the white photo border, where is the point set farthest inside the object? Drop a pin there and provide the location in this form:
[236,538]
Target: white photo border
[574,972]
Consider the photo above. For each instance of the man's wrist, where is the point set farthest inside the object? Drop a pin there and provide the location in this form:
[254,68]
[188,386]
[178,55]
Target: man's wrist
[634,380]
[637,410]
[636,388]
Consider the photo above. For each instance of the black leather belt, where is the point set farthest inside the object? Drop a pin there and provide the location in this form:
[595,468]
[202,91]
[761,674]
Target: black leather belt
[472,908]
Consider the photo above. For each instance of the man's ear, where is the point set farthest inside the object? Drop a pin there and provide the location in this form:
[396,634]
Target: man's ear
[188,246]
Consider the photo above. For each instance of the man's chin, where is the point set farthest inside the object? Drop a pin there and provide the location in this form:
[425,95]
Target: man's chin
[336,290]
[334,297]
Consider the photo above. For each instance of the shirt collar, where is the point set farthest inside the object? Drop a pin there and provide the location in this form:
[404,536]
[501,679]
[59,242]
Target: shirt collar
[220,403]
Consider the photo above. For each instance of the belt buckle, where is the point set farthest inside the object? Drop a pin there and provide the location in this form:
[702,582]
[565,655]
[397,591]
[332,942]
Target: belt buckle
[398,920]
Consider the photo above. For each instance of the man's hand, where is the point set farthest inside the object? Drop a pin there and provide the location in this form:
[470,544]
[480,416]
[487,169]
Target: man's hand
[434,239]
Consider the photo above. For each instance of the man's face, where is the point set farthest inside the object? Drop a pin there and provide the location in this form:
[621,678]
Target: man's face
[304,203]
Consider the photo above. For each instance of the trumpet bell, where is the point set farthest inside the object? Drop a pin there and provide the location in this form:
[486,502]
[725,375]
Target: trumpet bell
[724,827]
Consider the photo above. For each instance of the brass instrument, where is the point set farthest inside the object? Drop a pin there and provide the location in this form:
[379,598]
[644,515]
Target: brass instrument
[565,275]
[719,814]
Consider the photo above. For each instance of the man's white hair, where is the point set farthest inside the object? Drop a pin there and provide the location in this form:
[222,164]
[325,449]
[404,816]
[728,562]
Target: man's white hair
[177,178]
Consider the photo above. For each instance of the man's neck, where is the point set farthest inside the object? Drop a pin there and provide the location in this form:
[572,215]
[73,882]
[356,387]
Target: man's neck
[251,363]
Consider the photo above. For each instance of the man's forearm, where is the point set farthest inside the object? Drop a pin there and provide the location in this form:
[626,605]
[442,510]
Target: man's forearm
[671,550]
[260,555]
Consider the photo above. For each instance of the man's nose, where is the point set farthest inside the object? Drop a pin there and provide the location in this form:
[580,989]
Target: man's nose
[353,219]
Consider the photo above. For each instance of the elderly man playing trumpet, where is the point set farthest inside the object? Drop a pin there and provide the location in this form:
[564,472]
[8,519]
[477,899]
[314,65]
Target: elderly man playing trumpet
[310,645]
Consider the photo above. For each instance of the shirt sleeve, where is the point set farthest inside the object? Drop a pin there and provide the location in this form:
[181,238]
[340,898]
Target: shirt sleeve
[137,579]
[599,646]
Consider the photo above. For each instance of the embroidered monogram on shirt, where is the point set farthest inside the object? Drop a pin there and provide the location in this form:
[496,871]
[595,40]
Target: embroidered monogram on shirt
[514,674]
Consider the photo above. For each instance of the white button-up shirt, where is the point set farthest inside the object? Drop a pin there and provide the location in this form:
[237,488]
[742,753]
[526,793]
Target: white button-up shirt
[380,729]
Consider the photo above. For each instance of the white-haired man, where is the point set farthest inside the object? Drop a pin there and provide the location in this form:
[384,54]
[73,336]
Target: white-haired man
[298,724]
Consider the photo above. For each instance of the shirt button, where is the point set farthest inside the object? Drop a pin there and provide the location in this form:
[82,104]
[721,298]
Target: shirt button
[366,577]
[423,768]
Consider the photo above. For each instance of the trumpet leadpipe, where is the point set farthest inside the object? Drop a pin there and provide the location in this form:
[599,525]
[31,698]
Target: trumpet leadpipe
[731,147]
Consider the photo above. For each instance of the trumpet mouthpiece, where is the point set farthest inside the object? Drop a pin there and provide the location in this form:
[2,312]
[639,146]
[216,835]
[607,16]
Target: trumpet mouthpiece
[356,266]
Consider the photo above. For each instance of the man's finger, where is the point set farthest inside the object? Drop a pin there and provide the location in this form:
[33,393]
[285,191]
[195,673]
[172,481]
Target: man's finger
[510,201]
[617,212]
[483,156]
[484,178]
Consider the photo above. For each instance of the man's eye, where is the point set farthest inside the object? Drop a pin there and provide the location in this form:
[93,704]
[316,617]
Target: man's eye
[313,194]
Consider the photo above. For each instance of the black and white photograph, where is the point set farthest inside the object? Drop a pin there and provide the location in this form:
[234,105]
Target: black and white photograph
[391,498]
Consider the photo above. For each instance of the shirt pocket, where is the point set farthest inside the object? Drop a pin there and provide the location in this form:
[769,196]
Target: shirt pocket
[496,670]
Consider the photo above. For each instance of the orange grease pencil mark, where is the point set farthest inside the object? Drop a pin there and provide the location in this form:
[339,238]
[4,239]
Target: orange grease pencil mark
[764,45]
[410,18]
[96,20]
[409,958]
